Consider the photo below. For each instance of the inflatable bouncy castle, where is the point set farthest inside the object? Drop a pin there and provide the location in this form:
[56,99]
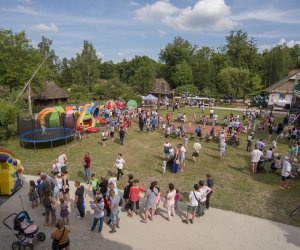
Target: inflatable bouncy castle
[10,171]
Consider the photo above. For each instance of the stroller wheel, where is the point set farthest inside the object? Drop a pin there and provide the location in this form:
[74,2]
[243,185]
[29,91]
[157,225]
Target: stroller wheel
[16,245]
[28,247]
[41,236]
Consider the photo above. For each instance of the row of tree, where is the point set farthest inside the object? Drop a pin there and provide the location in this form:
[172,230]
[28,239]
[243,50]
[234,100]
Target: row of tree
[236,69]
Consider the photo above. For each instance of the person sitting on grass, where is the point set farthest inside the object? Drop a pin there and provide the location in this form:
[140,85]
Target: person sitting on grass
[194,200]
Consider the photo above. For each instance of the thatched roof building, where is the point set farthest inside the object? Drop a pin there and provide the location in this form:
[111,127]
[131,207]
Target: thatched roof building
[50,95]
[161,86]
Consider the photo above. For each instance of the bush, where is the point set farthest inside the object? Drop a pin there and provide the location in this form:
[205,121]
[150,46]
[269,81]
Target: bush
[9,113]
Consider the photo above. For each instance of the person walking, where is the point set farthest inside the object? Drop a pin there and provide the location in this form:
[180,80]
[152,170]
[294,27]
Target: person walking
[98,207]
[119,164]
[122,135]
[87,166]
[79,199]
[170,201]
[196,150]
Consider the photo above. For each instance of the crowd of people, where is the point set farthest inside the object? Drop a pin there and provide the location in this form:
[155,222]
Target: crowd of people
[110,200]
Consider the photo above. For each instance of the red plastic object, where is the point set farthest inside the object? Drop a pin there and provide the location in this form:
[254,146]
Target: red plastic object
[93,130]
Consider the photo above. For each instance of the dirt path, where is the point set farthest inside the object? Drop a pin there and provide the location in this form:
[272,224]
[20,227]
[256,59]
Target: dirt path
[218,229]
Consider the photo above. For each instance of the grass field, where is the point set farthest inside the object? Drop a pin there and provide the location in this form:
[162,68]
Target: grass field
[235,189]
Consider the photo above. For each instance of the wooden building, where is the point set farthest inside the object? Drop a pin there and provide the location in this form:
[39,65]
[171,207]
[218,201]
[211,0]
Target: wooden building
[281,93]
[50,95]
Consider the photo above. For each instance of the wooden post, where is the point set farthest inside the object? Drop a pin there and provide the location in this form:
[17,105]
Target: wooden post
[29,100]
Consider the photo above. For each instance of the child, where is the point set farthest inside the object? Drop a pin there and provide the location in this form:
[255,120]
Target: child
[177,198]
[38,188]
[194,118]
[64,211]
[164,166]
[157,200]
[33,195]
[294,151]
[94,184]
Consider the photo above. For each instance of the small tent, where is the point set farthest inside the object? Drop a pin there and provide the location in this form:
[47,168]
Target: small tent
[149,98]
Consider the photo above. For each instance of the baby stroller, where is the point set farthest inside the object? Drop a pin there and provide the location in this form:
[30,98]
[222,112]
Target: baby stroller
[26,231]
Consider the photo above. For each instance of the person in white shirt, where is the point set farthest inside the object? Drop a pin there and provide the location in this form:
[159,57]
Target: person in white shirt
[256,154]
[113,179]
[119,164]
[269,154]
[286,172]
[56,167]
[62,160]
[222,147]
[196,150]
[167,147]
[194,200]
[204,191]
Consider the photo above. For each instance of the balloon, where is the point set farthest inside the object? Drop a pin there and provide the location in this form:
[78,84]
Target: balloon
[9,160]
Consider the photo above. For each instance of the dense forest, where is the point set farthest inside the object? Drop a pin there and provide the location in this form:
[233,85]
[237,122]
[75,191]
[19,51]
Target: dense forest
[237,69]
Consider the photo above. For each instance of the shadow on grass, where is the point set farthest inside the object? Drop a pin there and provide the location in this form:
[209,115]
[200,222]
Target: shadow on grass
[45,145]
[213,156]
[81,175]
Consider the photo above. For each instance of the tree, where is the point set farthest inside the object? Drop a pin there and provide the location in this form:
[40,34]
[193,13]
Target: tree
[235,82]
[143,79]
[276,63]
[52,63]
[85,67]
[241,50]
[19,60]
[182,74]
[8,117]
[175,53]
[203,68]
[107,70]
[65,76]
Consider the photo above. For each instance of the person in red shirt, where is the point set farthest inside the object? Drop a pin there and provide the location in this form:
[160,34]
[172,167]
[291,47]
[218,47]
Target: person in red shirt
[168,118]
[87,166]
[80,131]
[134,197]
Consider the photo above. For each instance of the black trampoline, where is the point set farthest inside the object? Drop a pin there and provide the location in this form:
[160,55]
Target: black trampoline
[50,135]
[31,132]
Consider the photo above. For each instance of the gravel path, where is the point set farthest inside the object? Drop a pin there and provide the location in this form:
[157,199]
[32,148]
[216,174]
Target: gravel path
[218,229]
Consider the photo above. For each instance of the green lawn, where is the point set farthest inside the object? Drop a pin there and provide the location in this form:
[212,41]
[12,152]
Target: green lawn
[235,189]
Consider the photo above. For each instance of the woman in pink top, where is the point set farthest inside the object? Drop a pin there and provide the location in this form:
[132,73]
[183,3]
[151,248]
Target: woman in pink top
[170,201]
[134,197]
